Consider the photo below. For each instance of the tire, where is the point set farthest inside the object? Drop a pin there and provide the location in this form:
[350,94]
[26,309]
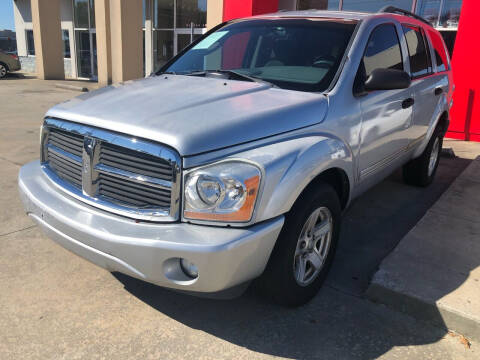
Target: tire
[279,280]
[421,171]
[3,70]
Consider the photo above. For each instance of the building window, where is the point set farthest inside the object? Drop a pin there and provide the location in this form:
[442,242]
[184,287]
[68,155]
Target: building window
[81,11]
[429,10]
[450,14]
[191,11]
[374,6]
[30,42]
[162,47]
[171,22]
[318,4]
[440,13]
[66,44]
[164,14]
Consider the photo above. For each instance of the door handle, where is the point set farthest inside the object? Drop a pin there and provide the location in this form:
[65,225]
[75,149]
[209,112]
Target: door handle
[438,91]
[407,103]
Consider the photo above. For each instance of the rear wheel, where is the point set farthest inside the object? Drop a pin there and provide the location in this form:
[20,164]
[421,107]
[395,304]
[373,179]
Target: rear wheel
[305,248]
[421,171]
[3,70]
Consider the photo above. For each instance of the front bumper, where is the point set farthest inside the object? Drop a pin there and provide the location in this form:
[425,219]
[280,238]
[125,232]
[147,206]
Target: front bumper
[225,257]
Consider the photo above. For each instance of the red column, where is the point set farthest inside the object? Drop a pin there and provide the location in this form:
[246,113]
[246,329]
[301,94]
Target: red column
[465,113]
[233,9]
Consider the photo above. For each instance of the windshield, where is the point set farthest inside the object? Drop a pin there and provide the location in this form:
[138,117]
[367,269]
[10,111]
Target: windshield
[295,54]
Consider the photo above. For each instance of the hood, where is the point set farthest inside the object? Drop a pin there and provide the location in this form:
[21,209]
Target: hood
[194,114]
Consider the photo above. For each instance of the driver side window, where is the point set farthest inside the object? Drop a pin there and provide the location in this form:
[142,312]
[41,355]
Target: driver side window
[382,52]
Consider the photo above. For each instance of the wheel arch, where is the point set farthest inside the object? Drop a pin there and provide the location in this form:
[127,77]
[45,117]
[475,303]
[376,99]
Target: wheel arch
[337,178]
[444,122]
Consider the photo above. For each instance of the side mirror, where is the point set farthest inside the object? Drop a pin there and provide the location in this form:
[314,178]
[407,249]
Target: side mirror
[387,79]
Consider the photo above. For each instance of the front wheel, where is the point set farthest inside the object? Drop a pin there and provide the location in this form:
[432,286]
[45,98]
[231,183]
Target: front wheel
[305,248]
[3,71]
[421,171]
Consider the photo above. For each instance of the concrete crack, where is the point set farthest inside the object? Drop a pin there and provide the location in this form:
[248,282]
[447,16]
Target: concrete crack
[17,231]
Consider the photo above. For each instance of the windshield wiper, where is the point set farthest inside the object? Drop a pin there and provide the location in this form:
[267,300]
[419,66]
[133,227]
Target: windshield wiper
[233,73]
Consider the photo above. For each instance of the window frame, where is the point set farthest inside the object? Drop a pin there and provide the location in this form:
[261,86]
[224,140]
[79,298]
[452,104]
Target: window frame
[357,88]
[428,49]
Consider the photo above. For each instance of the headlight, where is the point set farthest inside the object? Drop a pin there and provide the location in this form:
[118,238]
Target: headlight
[224,192]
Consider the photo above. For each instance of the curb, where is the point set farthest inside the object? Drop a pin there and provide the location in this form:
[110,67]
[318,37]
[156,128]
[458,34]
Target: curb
[433,313]
[424,298]
[72,87]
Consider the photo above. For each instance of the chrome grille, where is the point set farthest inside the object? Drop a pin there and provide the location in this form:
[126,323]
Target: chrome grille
[125,175]
[64,155]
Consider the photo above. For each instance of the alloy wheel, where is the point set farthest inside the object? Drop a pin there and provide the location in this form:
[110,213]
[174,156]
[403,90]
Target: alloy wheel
[313,246]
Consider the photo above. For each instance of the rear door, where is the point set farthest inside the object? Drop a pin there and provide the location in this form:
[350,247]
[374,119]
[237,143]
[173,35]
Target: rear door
[428,86]
[386,114]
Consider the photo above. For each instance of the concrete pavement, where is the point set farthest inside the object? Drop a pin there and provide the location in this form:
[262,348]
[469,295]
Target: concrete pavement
[434,273]
[56,305]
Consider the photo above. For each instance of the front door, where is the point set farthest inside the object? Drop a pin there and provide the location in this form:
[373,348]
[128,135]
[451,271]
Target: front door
[386,120]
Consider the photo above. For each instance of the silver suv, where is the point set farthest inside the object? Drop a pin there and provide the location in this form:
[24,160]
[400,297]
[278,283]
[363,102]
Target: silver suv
[236,160]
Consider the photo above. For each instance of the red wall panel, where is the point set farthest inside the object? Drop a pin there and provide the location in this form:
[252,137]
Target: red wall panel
[465,113]
[233,9]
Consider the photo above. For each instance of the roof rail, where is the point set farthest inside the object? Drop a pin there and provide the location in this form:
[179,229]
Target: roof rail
[395,10]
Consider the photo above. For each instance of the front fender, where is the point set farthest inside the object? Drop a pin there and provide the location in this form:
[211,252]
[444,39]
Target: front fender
[289,166]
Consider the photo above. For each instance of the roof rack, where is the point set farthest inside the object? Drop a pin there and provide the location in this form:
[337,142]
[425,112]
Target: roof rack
[395,10]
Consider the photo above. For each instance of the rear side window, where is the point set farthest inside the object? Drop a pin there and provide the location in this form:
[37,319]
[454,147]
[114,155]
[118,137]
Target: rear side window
[420,62]
[439,50]
[383,50]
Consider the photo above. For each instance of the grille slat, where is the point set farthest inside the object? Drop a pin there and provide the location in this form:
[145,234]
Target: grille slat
[76,150]
[107,186]
[142,195]
[76,141]
[66,174]
[107,153]
[56,158]
[135,162]
[141,189]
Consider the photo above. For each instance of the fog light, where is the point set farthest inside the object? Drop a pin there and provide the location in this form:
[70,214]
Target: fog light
[189,268]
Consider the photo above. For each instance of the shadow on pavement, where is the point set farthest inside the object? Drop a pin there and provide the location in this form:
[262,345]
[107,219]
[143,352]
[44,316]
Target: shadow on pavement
[15,76]
[338,323]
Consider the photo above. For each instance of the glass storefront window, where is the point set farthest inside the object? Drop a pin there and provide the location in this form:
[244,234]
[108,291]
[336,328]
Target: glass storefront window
[163,47]
[92,13]
[184,40]
[189,11]
[82,42]
[318,4]
[81,13]
[81,10]
[429,10]
[450,13]
[30,42]
[374,6]
[164,11]
[66,44]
